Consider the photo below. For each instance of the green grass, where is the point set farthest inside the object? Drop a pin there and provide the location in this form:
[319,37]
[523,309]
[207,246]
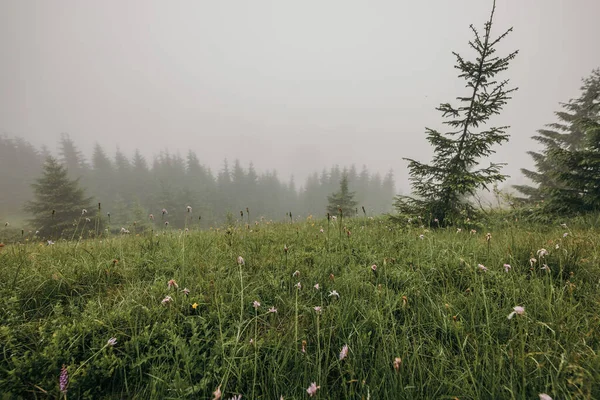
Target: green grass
[427,303]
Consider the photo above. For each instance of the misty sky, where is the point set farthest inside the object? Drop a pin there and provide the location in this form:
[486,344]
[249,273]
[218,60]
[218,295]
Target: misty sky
[291,85]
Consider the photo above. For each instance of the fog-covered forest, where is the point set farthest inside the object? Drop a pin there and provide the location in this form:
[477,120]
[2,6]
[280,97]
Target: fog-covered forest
[130,187]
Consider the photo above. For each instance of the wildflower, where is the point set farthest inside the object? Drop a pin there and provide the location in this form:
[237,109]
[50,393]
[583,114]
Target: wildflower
[189,209]
[251,341]
[546,268]
[482,267]
[240,261]
[557,246]
[517,310]
[321,230]
[397,363]
[344,352]
[172,284]
[532,261]
[304,346]
[295,274]
[6,224]
[217,393]
[298,286]
[458,230]
[236,397]
[563,225]
[507,267]
[333,217]
[318,309]
[316,286]
[164,211]
[186,291]
[436,220]
[166,223]
[565,234]
[331,277]
[473,231]
[285,248]
[334,293]
[88,220]
[421,236]
[151,216]
[542,253]
[374,267]
[544,396]
[83,212]
[255,304]
[195,305]
[112,341]
[64,379]
[166,300]
[488,237]
[272,310]
[50,242]
[312,389]
[404,300]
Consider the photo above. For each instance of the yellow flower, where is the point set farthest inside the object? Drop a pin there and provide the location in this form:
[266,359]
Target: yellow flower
[195,305]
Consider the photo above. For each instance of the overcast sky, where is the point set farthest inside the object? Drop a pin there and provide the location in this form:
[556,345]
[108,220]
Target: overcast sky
[291,85]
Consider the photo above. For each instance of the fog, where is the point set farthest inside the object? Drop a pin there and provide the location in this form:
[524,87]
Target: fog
[291,86]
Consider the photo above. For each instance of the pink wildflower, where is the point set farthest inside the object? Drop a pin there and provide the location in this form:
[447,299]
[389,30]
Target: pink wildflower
[482,267]
[217,393]
[312,389]
[186,291]
[111,342]
[64,379]
[240,261]
[374,267]
[172,284]
[507,267]
[318,309]
[344,352]
[517,310]
[272,310]
[298,286]
[167,300]
[316,286]
[255,304]
[397,363]
[544,396]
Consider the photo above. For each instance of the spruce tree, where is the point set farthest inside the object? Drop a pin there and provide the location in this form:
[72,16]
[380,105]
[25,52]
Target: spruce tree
[566,134]
[443,187]
[576,175]
[344,200]
[59,203]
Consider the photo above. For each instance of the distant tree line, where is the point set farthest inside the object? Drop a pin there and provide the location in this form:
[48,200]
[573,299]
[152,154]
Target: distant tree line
[131,188]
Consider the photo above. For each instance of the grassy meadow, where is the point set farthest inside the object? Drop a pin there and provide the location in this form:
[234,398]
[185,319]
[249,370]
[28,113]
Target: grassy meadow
[424,313]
